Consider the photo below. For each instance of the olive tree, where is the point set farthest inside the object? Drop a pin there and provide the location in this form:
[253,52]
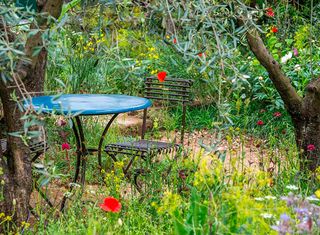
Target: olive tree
[221,28]
[23,34]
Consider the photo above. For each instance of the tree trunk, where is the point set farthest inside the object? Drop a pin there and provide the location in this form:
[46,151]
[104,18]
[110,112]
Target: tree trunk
[304,112]
[35,78]
[16,163]
[309,138]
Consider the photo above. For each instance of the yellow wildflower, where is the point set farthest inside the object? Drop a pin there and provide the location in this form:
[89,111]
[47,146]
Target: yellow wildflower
[209,173]
[317,193]
[170,202]
[318,173]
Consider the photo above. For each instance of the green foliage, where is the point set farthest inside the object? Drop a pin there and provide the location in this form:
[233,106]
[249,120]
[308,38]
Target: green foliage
[302,36]
[222,191]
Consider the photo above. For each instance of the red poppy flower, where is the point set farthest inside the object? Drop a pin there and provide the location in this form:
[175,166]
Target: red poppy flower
[311,147]
[65,146]
[161,76]
[202,54]
[274,29]
[174,41]
[111,204]
[277,114]
[270,12]
[260,123]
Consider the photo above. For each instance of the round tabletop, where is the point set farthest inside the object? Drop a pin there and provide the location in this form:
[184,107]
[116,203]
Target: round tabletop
[89,104]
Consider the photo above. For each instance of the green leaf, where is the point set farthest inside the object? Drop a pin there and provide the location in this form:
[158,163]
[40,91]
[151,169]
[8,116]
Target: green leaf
[67,7]
[36,51]
[278,45]
[33,32]
[179,227]
[289,41]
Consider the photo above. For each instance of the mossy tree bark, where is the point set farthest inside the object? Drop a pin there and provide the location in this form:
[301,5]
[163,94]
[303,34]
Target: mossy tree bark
[16,162]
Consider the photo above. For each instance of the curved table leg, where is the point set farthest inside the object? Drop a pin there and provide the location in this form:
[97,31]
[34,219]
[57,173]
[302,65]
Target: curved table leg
[83,150]
[81,153]
[76,134]
[103,136]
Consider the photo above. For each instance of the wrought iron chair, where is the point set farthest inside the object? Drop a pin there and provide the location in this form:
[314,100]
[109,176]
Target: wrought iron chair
[171,90]
[37,148]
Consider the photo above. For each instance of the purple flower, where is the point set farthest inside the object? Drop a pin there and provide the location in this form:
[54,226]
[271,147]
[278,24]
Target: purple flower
[306,218]
[301,212]
[284,217]
[295,51]
[290,199]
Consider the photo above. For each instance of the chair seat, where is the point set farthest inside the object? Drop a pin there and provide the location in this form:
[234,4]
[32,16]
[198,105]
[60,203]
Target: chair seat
[141,147]
[36,147]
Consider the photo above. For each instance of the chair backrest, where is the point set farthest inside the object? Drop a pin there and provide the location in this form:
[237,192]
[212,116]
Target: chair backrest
[172,90]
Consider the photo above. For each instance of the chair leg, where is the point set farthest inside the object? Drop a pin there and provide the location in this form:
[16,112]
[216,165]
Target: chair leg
[168,171]
[126,169]
[113,157]
[36,156]
[137,173]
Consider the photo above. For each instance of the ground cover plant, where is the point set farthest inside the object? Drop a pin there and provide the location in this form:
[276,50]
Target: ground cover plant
[250,161]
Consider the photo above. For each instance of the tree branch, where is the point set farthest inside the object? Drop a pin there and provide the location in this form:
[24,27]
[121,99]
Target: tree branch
[290,97]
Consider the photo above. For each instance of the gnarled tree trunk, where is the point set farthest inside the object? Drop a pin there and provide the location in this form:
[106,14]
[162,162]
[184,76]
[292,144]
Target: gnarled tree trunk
[16,163]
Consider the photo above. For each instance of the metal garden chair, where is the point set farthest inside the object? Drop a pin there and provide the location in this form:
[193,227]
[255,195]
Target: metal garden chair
[37,148]
[172,90]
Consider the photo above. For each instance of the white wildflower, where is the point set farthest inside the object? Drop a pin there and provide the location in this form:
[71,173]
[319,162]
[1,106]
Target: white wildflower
[267,215]
[260,199]
[287,57]
[120,222]
[75,185]
[270,197]
[297,67]
[67,194]
[292,187]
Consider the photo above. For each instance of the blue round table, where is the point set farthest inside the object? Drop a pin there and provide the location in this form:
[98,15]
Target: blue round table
[89,104]
[76,105]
